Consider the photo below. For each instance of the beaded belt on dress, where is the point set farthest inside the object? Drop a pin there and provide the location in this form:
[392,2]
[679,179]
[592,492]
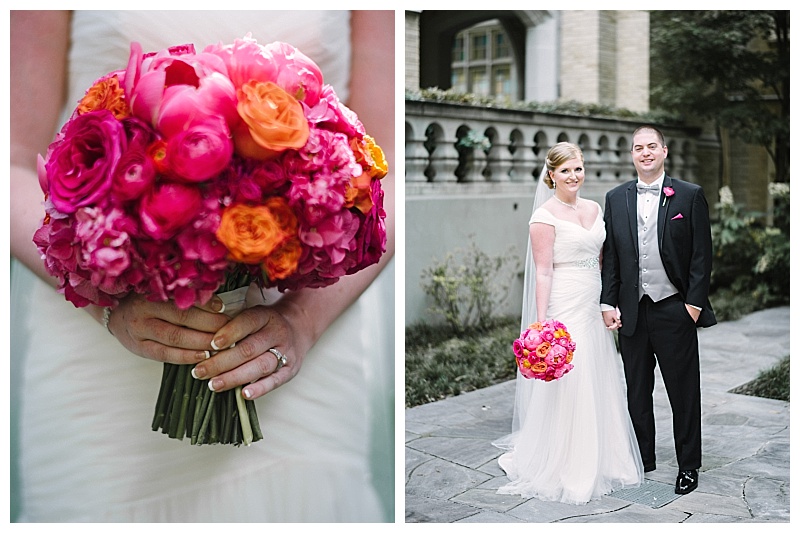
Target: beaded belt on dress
[591,262]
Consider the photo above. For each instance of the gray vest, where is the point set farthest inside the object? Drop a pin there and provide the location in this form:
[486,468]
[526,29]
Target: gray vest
[653,279]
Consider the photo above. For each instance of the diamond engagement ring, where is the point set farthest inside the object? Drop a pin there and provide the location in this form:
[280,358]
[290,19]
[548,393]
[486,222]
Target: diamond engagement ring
[278,355]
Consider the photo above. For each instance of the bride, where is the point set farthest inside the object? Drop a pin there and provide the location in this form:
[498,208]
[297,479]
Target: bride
[84,398]
[572,440]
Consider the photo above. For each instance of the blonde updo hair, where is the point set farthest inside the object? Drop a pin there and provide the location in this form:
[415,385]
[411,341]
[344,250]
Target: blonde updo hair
[559,154]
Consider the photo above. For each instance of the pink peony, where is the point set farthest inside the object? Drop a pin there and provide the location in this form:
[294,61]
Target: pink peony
[175,89]
[200,152]
[245,60]
[135,172]
[168,208]
[296,73]
[81,164]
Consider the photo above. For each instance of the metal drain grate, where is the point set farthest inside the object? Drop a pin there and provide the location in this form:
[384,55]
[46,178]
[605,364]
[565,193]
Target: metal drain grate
[651,493]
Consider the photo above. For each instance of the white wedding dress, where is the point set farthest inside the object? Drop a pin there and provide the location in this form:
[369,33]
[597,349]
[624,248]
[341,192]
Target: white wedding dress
[84,404]
[572,440]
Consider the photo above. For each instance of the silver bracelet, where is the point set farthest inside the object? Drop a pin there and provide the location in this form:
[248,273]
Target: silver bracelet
[106,318]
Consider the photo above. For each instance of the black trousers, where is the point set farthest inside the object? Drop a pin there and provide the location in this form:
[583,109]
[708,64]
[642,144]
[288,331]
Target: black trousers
[666,333]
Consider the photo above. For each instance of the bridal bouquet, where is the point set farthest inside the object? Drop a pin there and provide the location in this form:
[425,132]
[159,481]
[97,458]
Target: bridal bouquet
[186,174]
[544,351]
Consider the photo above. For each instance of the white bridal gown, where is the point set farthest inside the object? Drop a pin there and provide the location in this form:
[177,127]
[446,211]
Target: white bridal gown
[572,440]
[86,450]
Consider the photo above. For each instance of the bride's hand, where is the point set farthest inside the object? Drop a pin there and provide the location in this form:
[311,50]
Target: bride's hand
[163,332]
[250,362]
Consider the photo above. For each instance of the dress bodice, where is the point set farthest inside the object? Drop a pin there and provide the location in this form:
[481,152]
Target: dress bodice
[574,244]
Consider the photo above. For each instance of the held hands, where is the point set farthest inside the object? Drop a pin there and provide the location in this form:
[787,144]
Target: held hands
[612,319]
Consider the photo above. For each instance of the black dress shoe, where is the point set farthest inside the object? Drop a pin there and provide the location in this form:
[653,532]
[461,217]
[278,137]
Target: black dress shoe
[649,468]
[686,482]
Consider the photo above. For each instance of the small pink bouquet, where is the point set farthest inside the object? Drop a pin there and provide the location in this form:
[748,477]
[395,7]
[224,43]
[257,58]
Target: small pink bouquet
[544,351]
[186,174]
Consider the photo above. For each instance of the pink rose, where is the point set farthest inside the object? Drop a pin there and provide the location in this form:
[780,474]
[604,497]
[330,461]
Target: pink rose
[81,164]
[518,348]
[168,208]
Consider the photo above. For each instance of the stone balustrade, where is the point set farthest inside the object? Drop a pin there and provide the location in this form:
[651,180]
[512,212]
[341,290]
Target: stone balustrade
[471,172]
[519,141]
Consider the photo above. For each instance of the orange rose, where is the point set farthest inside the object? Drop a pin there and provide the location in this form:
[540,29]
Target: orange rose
[283,262]
[542,349]
[569,357]
[105,94]
[537,326]
[251,233]
[284,215]
[274,121]
[539,367]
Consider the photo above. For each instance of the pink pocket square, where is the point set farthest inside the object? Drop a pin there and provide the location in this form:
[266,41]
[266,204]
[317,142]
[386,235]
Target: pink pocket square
[677,217]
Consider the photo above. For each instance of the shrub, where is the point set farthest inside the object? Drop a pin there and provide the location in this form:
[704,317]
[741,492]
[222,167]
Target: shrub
[439,364]
[751,262]
[468,285]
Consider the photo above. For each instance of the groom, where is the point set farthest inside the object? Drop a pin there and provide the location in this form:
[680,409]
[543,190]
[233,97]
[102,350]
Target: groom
[656,272]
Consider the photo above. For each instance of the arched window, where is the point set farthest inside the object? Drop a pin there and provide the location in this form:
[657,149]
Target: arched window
[483,61]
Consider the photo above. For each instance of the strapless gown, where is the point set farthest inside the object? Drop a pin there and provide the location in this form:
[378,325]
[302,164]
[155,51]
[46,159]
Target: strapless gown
[572,440]
[84,404]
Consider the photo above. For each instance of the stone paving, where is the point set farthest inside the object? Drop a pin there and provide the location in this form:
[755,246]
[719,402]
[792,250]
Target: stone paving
[452,473]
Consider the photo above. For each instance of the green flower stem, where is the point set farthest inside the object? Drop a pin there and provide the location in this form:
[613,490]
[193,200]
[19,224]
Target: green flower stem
[185,399]
[227,421]
[167,377]
[186,407]
[200,413]
[202,436]
[244,418]
[176,402]
[253,416]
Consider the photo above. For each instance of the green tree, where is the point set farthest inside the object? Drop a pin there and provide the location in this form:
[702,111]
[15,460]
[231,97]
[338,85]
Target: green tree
[729,67]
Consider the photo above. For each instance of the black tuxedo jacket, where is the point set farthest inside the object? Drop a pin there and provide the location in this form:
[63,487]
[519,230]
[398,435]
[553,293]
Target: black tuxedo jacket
[684,241]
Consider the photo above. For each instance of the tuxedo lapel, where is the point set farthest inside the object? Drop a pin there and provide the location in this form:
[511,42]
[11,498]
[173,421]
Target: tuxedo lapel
[633,215]
[663,207]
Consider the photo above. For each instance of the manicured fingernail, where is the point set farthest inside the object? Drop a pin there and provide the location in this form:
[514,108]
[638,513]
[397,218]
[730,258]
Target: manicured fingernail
[199,372]
[217,305]
[213,384]
[217,344]
[202,356]
[247,393]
